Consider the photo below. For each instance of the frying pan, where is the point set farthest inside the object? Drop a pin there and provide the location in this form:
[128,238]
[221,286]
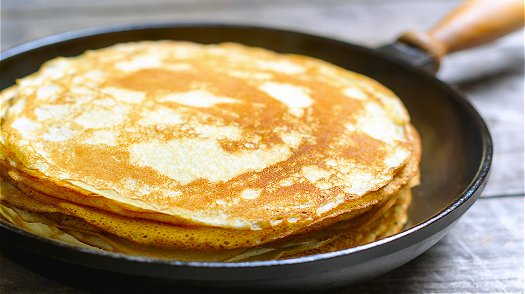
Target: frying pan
[457,152]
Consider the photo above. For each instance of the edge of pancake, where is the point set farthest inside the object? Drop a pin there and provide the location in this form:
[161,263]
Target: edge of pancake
[383,221]
[204,237]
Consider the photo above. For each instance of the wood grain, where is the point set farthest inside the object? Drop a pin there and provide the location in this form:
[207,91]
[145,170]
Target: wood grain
[484,252]
[472,23]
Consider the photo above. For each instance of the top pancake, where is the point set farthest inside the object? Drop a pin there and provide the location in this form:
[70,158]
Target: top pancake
[220,135]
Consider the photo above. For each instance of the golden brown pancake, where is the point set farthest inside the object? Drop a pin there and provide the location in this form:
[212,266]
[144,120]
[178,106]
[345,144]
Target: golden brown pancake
[46,221]
[204,147]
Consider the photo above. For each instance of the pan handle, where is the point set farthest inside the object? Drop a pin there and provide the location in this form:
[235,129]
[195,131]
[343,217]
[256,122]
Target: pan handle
[473,23]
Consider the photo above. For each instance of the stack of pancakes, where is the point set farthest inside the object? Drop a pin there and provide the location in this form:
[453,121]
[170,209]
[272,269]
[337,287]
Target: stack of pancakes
[205,153]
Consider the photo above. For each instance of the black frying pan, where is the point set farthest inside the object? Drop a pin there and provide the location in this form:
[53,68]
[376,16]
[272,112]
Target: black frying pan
[457,152]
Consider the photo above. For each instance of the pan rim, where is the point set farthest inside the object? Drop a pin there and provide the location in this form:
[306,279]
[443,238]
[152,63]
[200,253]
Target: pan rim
[462,198]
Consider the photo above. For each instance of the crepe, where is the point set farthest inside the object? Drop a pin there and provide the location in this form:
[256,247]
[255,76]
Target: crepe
[49,221]
[193,147]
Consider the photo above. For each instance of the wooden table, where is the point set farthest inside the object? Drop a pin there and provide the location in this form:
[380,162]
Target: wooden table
[484,251]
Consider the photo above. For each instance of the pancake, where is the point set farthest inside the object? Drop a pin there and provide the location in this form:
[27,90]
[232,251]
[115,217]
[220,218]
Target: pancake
[185,146]
[148,232]
[44,221]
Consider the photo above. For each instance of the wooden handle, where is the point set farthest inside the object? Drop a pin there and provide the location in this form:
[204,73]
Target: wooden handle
[472,23]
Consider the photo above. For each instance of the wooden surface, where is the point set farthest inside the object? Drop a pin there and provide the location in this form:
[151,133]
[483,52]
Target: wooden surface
[484,252]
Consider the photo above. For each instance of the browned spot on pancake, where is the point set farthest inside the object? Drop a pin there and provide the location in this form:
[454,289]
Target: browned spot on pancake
[365,150]
[155,80]
[101,163]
